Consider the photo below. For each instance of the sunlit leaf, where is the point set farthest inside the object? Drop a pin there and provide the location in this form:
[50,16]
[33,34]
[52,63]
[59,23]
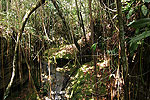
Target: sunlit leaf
[94,46]
[140,23]
[144,10]
[127,7]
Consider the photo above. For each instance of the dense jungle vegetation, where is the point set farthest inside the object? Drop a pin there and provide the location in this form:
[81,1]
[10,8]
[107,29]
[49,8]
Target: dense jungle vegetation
[74,50]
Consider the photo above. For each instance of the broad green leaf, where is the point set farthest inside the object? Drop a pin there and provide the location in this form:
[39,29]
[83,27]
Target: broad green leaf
[140,23]
[147,1]
[140,37]
[135,41]
[130,13]
[144,10]
[132,48]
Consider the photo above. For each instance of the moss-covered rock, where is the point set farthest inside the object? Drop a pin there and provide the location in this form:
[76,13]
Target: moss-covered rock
[65,52]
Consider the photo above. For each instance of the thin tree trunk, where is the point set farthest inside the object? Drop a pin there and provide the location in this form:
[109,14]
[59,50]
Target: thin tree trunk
[80,20]
[65,24]
[19,65]
[8,47]
[26,17]
[8,4]
[13,73]
[2,62]
[30,76]
[40,74]
[78,14]
[123,57]
[93,52]
[44,27]
[38,70]
[82,25]
[49,74]
[8,57]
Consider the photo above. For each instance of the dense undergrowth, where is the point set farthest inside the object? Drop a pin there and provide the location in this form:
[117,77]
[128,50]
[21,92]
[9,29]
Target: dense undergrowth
[83,39]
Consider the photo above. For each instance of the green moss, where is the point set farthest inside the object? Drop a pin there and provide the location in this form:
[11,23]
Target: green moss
[66,52]
[82,83]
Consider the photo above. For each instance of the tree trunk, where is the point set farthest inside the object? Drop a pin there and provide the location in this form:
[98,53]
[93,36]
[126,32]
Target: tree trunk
[26,17]
[66,25]
[123,58]
[93,51]
[2,64]
[80,20]
[19,64]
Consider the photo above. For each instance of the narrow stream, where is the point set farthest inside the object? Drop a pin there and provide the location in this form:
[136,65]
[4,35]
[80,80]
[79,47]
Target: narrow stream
[57,82]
